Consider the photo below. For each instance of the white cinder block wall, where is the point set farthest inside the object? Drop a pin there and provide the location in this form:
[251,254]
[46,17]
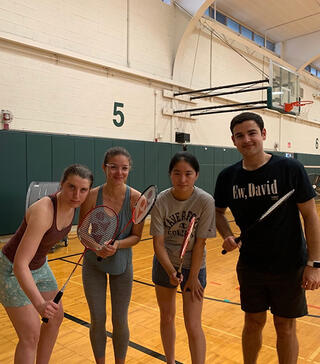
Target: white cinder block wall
[75,67]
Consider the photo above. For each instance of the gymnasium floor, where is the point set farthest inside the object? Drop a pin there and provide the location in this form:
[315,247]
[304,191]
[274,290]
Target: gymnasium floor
[222,317]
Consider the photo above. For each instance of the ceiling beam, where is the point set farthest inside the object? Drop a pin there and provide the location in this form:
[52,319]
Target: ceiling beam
[196,8]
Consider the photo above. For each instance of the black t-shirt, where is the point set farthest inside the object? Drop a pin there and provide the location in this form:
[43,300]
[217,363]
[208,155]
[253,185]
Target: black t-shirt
[276,244]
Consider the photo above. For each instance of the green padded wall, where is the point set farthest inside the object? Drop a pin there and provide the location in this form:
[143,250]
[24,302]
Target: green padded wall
[38,158]
[311,161]
[13,182]
[151,172]
[27,157]
[136,150]
[100,147]
[84,152]
[62,154]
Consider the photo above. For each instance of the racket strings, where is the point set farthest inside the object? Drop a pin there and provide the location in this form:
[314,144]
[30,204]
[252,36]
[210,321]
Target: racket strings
[98,227]
[144,204]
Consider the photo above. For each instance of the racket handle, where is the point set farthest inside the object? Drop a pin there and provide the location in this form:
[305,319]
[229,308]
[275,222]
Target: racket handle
[179,275]
[99,259]
[237,240]
[179,270]
[55,300]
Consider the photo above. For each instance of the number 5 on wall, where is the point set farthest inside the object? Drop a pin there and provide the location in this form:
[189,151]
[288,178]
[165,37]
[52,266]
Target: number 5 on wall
[116,112]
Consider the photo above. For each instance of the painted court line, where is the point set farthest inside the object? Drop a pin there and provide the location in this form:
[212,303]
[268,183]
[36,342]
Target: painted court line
[225,300]
[132,344]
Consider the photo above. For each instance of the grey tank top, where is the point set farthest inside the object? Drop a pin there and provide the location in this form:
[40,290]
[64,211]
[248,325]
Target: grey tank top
[116,264]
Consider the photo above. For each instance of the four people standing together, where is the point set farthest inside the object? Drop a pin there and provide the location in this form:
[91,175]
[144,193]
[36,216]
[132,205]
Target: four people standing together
[278,260]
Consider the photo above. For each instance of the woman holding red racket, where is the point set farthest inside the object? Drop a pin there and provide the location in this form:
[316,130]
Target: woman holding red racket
[27,285]
[117,258]
[170,219]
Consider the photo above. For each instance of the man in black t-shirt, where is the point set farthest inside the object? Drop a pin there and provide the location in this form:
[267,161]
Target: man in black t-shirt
[276,264]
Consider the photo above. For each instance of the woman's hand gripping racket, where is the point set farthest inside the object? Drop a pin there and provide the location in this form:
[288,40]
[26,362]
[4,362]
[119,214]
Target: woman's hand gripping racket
[98,227]
[140,210]
[185,244]
[267,213]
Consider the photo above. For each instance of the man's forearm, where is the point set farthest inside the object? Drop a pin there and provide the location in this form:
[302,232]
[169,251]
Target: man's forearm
[222,225]
[312,231]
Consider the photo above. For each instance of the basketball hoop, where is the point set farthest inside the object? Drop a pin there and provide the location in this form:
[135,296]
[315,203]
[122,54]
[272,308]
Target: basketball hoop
[289,106]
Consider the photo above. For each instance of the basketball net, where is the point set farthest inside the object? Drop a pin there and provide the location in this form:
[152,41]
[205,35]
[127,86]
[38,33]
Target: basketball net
[304,106]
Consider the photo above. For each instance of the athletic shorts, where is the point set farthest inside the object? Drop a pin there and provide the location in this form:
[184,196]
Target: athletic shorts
[11,294]
[281,293]
[161,278]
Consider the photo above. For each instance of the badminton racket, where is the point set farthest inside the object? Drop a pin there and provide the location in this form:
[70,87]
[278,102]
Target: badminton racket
[98,226]
[140,210]
[263,216]
[185,244]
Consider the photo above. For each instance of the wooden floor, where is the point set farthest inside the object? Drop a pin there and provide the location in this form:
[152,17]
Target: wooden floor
[222,316]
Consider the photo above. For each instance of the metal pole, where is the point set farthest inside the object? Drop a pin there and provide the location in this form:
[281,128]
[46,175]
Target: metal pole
[221,87]
[229,92]
[221,106]
[221,111]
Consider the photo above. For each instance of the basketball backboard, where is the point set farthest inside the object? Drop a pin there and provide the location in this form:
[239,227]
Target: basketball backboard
[285,88]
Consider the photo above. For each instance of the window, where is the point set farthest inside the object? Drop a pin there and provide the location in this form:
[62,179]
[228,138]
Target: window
[233,25]
[271,46]
[246,32]
[313,71]
[221,18]
[258,39]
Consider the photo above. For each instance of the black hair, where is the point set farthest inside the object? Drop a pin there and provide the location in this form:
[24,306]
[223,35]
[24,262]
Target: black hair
[77,170]
[111,152]
[245,116]
[184,156]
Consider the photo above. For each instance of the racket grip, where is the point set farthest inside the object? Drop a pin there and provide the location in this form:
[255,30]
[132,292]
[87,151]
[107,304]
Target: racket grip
[237,240]
[179,270]
[55,300]
[179,275]
[111,242]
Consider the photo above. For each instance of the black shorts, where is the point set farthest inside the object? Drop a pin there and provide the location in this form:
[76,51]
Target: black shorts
[161,278]
[282,293]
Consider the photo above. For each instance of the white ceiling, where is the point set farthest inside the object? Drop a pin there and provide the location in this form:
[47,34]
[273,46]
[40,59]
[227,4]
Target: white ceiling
[279,20]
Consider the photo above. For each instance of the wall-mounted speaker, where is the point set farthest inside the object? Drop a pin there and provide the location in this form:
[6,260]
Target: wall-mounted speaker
[182,137]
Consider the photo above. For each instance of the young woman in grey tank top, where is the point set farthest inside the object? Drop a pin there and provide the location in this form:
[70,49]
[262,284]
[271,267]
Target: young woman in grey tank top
[116,264]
